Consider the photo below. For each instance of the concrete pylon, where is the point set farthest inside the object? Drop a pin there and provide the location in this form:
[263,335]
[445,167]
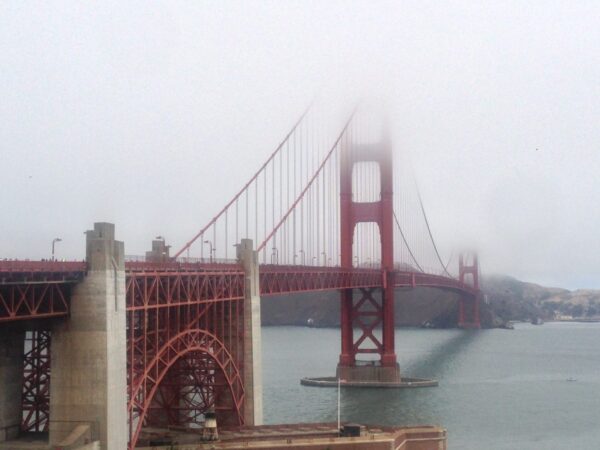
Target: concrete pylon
[253,403]
[11,382]
[89,368]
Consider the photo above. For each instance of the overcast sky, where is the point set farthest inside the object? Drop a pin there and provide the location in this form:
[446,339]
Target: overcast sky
[152,114]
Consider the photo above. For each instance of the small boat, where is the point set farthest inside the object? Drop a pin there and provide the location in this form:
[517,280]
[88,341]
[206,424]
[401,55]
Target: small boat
[508,326]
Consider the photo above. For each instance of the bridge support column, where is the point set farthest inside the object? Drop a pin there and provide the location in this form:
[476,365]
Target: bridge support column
[468,308]
[253,405]
[11,382]
[89,377]
[368,312]
[468,312]
[374,309]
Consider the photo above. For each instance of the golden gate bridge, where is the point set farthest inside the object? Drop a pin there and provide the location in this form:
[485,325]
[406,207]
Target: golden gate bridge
[324,212]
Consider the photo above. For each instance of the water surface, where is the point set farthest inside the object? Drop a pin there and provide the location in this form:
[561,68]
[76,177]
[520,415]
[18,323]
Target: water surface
[535,387]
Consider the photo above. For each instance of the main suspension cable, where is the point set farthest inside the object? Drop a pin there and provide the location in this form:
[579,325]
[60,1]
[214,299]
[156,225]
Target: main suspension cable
[406,243]
[429,230]
[247,185]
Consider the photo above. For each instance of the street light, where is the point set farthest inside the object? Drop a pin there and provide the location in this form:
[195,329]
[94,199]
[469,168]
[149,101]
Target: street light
[275,256]
[54,241]
[303,260]
[211,250]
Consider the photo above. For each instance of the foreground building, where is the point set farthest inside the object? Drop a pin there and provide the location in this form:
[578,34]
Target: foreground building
[320,436]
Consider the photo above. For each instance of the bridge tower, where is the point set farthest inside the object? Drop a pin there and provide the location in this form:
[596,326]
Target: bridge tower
[368,309]
[468,307]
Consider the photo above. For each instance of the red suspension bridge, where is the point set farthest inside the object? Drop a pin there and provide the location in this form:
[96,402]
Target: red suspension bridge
[325,212]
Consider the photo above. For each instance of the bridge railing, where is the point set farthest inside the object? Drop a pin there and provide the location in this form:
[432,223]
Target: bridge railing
[137,263]
[49,266]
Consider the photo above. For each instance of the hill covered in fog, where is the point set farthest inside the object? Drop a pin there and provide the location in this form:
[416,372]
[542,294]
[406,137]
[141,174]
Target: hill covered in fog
[512,299]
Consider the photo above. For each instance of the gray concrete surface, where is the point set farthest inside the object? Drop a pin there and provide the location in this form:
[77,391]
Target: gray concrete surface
[11,381]
[89,383]
[253,411]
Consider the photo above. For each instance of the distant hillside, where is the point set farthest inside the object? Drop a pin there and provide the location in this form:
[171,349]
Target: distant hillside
[512,299]
[506,299]
[412,308]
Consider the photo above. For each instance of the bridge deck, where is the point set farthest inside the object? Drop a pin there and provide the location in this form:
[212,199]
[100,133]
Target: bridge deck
[40,289]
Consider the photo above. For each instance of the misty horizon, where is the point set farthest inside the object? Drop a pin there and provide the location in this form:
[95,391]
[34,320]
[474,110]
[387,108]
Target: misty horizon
[153,116]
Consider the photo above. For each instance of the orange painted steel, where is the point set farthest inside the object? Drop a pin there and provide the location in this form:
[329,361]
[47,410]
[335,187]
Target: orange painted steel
[184,327]
[37,289]
[36,382]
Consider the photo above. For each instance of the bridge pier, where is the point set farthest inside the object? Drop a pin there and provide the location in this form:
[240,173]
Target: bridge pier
[374,308]
[368,311]
[253,405]
[468,307]
[11,382]
[468,312]
[89,377]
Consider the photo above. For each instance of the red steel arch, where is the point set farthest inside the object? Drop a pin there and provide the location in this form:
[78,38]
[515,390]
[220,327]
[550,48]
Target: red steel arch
[144,388]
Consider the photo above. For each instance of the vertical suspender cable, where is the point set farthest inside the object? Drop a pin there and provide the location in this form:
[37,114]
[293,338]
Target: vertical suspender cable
[301,204]
[294,168]
[265,212]
[246,186]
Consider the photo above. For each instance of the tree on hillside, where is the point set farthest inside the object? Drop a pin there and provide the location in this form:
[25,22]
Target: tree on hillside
[577,311]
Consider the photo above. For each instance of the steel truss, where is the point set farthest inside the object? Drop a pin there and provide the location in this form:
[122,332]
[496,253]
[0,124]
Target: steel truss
[35,399]
[33,300]
[367,315]
[276,280]
[185,348]
[414,279]
[37,289]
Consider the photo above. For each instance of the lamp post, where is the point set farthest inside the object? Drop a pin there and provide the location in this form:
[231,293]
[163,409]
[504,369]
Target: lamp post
[54,241]
[275,256]
[303,260]
[211,249]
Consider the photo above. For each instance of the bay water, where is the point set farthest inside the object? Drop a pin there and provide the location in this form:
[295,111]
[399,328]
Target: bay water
[534,387]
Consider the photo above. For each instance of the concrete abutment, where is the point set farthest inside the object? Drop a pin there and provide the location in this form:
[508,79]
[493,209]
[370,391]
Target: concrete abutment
[11,382]
[253,408]
[89,377]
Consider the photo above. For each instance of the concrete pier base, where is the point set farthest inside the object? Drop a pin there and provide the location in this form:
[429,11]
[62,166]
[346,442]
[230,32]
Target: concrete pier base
[368,376]
[332,382]
[373,373]
[11,382]
[89,378]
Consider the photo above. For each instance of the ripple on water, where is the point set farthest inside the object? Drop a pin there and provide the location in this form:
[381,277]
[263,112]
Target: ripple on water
[499,389]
